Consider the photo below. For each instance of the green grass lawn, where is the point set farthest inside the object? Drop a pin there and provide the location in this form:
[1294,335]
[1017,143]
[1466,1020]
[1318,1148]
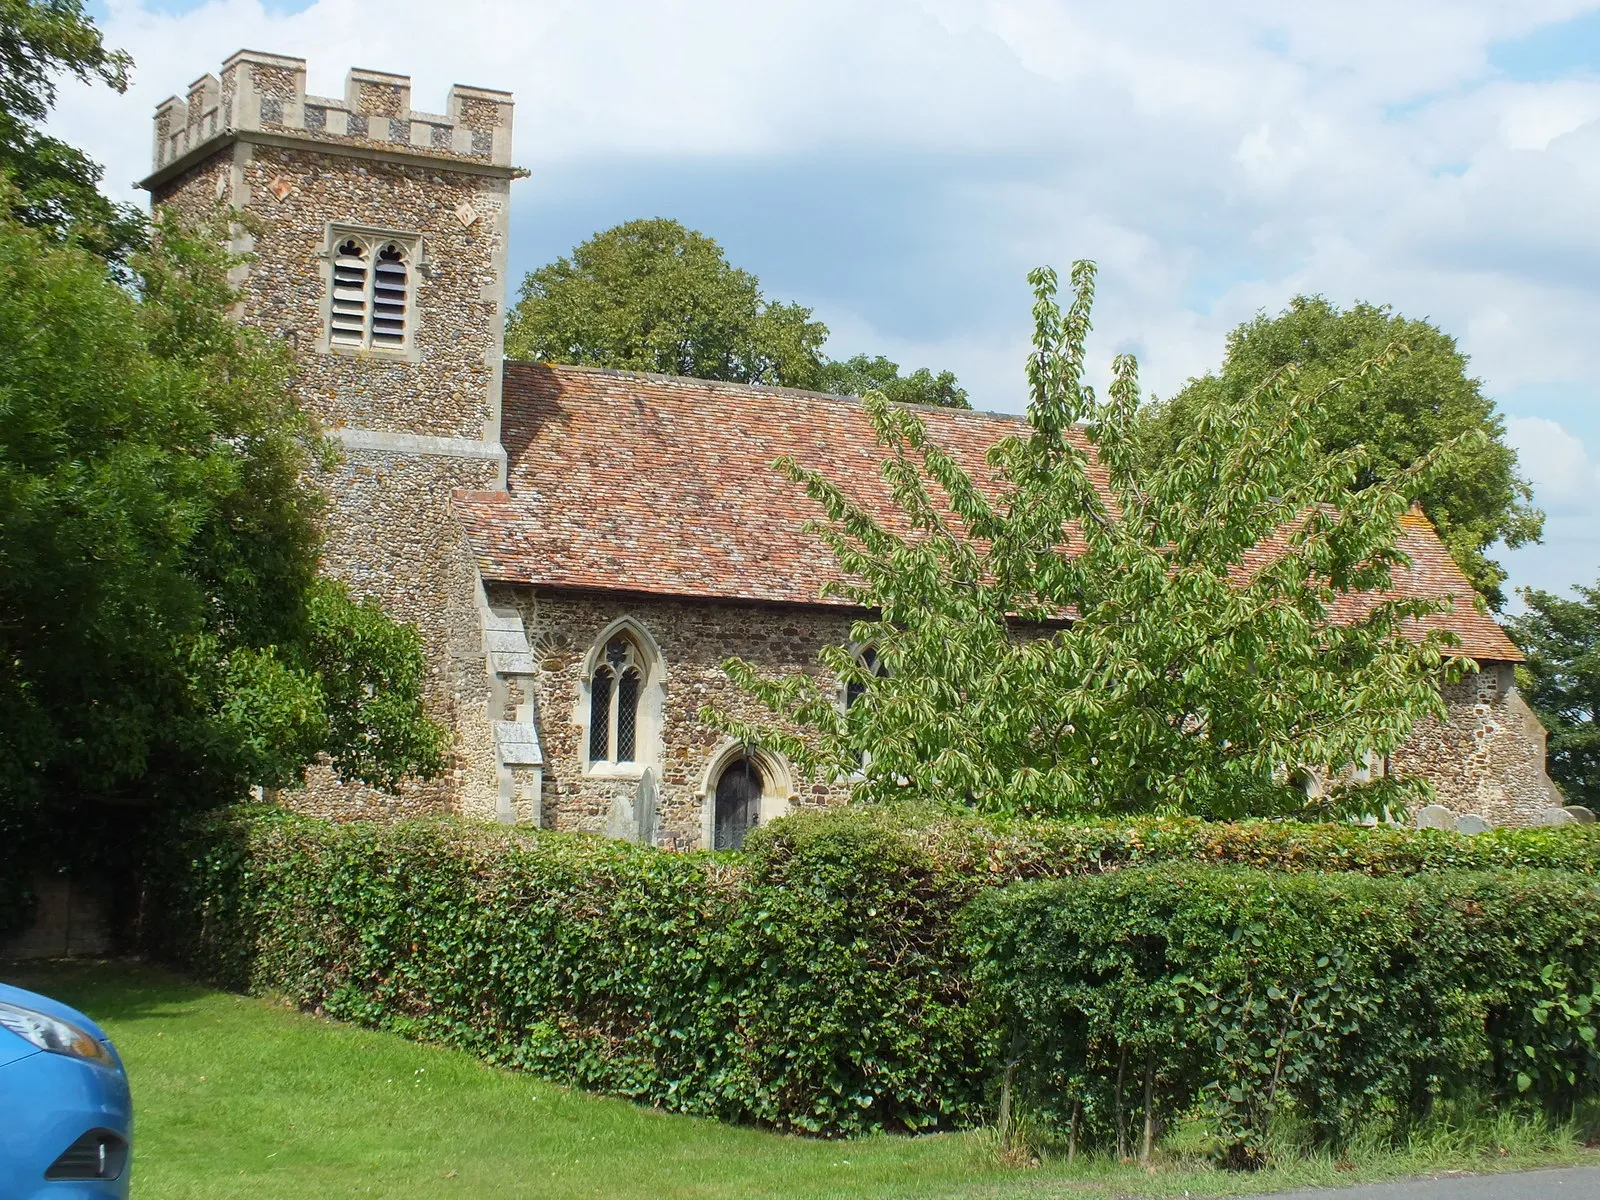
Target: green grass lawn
[238,1096]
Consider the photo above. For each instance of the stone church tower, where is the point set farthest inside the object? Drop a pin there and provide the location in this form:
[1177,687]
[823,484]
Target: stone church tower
[381,259]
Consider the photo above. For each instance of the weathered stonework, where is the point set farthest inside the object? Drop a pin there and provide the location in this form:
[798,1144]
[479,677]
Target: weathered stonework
[417,422]
[1488,757]
[694,639]
[423,508]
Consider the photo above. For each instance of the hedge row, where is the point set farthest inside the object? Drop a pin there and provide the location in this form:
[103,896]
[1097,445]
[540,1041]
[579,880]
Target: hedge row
[813,984]
[817,982]
[1350,1002]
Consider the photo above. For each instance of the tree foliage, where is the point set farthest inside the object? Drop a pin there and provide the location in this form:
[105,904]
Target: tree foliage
[1423,400]
[859,375]
[164,633]
[40,40]
[655,296]
[1094,635]
[1561,680]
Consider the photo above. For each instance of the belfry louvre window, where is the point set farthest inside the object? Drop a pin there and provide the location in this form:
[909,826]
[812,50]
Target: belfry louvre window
[370,303]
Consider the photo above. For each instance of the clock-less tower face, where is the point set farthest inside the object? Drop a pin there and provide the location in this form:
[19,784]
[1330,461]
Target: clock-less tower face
[377,252]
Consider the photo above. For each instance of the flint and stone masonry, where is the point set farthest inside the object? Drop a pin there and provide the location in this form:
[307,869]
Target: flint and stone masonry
[419,414]
[417,421]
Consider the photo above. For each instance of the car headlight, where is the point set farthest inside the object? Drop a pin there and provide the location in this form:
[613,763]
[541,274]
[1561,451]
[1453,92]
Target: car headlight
[54,1034]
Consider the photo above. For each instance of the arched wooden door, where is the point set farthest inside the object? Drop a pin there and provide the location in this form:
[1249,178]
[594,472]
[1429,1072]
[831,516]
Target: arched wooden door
[738,804]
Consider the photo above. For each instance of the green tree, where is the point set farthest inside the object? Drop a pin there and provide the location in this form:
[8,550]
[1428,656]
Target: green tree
[1046,645]
[655,296]
[1561,681]
[59,186]
[164,633]
[1423,400]
[859,375]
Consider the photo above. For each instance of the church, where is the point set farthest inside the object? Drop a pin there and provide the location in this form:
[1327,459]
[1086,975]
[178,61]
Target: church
[582,548]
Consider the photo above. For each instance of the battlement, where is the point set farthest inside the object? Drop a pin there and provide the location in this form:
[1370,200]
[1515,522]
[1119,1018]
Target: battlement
[266,93]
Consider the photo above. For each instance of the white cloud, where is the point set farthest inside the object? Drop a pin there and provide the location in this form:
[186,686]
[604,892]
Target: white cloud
[1215,158]
[1563,474]
[1566,483]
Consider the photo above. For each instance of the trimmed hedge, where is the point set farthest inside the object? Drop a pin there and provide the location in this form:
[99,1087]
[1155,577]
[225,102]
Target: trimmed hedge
[813,985]
[817,982]
[1343,1000]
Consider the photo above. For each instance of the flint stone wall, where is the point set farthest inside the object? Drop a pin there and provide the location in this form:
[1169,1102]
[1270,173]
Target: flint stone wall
[415,424]
[1488,757]
[694,638]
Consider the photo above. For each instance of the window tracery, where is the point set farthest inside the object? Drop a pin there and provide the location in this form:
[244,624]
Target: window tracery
[615,688]
[370,295]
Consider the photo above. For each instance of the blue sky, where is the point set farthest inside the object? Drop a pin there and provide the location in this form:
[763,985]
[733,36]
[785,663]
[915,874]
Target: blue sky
[899,166]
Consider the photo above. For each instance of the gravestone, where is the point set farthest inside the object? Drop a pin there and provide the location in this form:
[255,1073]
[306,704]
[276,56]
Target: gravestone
[645,807]
[1435,816]
[1557,816]
[622,824]
[1472,823]
[1584,816]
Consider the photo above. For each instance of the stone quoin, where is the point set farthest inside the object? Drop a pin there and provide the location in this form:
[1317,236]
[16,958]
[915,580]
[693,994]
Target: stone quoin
[582,548]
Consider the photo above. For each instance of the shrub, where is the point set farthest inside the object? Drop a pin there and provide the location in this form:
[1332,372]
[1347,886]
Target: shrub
[1340,999]
[816,982]
[812,985]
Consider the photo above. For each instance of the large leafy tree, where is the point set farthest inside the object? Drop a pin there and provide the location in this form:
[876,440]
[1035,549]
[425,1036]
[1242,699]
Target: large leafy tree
[1561,680]
[1087,634]
[654,295]
[1425,399]
[859,375]
[58,185]
[164,633]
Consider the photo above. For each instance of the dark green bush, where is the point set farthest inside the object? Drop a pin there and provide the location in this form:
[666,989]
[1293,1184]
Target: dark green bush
[1342,1000]
[816,982]
[812,984]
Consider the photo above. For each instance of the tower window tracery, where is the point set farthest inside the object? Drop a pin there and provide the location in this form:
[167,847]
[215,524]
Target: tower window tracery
[371,293]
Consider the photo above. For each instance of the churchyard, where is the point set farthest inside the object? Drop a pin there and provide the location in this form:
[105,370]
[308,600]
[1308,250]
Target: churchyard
[602,745]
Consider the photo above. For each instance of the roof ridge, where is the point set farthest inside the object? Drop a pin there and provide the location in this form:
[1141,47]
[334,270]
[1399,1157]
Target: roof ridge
[767,389]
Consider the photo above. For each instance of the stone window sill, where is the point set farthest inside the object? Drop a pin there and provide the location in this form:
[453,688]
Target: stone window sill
[632,771]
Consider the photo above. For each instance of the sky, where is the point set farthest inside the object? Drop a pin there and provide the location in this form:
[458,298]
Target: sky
[900,165]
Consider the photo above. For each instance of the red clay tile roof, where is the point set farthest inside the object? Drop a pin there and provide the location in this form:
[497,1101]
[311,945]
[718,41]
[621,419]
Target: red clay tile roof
[621,481]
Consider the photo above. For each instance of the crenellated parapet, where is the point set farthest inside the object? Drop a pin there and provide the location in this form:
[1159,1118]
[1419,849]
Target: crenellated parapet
[266,94]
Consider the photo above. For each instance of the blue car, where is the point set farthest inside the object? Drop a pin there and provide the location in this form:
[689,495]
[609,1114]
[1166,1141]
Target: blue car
[66,1118]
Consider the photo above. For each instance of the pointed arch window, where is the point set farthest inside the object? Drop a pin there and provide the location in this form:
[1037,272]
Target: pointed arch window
[371,290]
[615,688]
[867,656]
